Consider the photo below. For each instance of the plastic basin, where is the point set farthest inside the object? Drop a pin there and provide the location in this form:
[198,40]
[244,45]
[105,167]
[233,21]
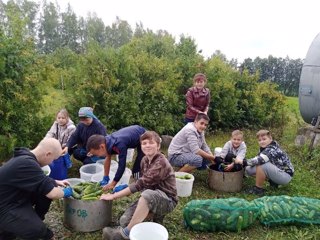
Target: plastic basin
[46,169]
[125,177]
[87,171]
[149,230]
[130,153]
[74,181]
[184,186]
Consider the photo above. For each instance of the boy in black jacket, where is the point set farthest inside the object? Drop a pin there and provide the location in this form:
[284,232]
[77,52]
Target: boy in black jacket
[271,163]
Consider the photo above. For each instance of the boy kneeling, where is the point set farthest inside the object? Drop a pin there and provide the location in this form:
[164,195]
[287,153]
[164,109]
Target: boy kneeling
[272,164]
[157,184]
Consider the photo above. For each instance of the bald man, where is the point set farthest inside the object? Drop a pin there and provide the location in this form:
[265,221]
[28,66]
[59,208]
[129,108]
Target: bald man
[26,192]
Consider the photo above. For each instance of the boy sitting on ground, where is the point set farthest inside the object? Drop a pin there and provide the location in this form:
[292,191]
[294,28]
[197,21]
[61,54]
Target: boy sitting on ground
[157,184]
[271,163]
[233,150]
[188,149]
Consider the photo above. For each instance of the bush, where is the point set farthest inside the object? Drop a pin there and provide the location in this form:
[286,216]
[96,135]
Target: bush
[20,96]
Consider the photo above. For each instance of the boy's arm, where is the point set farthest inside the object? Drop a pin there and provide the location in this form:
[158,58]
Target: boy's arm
[113,196]
[107,164]
[208,156]
[225,150]
[262,158]
[242,152]
[122,150]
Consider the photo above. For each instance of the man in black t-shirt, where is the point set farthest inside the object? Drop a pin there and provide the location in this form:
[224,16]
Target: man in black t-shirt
[26,192]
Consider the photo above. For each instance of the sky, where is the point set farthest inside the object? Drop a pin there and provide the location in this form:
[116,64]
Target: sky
[238,28]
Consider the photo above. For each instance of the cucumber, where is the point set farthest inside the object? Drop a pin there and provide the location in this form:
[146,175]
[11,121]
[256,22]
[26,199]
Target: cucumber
[76,195]
[94,194]
[245,219]
[311,214]
[285,208]
[277,209]
[239,223]
[89,198]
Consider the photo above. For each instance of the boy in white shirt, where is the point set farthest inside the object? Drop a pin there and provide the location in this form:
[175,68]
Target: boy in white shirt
[234,149]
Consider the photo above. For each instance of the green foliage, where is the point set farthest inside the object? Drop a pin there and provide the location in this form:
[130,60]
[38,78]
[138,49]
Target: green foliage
[128,79]
[20,95]
[131,86]
[238,100]
[284,72]
[135,84]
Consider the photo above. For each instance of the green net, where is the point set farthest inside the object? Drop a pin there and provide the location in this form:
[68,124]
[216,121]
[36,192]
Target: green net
[232,214]
[283,210]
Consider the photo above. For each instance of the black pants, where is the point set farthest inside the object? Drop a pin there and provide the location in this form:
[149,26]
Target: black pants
[228,159]
[81,155]
[137,162]
[26,221]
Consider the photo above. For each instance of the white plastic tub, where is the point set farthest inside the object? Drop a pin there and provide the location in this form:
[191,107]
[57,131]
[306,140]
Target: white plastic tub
[97,177]
[74,181]
[113,165]
[130,153]
[217,151]
[149,230]
[46,169]
[125,177]
[184,186]
[87,171]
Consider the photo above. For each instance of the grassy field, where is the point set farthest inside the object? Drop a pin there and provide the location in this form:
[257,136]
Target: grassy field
[305,183]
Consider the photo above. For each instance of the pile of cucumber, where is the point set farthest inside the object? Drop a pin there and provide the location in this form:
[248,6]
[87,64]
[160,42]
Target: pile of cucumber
[232,214]
[235,214]
[277,210]
[87,191]
[185,177]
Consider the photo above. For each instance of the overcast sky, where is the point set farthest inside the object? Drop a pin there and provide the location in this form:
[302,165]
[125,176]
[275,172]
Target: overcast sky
[238,28]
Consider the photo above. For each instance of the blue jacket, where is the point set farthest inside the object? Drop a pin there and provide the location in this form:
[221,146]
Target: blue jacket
[83,132]
[119,142]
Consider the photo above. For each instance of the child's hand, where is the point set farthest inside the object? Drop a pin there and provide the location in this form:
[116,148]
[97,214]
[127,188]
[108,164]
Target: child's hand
[107,197]
[109,186]
[64,151]
[229,167]
[238,161]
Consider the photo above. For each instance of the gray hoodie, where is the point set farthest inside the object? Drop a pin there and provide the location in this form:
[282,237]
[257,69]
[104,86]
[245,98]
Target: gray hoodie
[62,133]
[188,140]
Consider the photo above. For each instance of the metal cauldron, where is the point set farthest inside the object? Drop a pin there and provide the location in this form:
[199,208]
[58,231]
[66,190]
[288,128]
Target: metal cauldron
[87,216]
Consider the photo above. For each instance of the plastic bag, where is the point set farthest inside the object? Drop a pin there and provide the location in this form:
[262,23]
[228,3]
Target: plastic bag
[233,214]
[284,210]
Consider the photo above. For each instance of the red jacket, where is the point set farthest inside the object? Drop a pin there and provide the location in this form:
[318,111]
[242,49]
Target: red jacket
[197,101]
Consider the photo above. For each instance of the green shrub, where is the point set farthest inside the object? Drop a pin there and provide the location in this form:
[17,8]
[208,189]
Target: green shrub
[20,95]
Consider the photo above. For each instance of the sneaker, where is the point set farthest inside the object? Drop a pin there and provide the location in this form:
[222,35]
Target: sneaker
[256,191]
[109,233]
[273,184]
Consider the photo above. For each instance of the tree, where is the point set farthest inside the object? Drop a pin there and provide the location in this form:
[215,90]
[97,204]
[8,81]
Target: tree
[119,34]
[95,30]
[70,36]
[284,72]
[20,92]
[49,34]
